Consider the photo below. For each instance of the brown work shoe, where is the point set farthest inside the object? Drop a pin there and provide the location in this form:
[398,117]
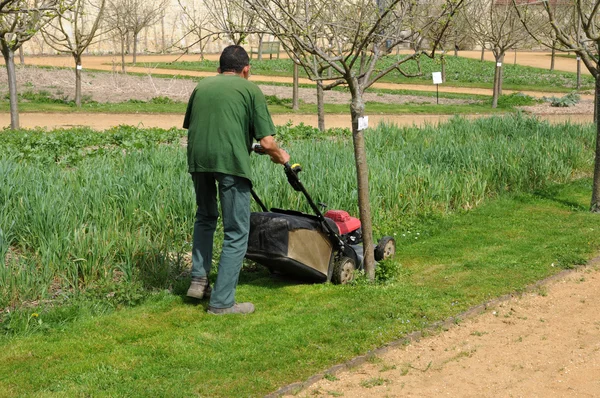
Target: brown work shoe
[237,308]
[199,288]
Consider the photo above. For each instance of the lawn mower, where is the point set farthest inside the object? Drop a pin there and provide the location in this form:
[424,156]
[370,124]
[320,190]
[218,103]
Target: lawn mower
[320,247]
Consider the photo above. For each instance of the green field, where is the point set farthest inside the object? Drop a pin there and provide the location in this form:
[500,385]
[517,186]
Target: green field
[460,71]
[94,228]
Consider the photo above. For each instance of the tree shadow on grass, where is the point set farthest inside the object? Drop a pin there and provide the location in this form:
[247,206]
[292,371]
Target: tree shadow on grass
[562,194]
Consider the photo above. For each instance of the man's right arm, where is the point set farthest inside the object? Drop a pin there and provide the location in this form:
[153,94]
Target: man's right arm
[270,147]
[188,111]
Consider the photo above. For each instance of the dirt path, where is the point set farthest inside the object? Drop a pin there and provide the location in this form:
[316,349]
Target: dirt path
[101,121]
[543,344]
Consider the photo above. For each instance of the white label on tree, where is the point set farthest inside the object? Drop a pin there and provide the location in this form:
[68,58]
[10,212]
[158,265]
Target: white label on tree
[578,58]
[499,64]
[363,123]
[79,67]
[437,77]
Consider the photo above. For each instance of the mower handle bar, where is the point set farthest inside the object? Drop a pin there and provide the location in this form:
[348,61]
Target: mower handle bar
[291,171]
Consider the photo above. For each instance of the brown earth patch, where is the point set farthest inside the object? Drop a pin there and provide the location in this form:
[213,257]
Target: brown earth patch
[117,87]
[545,343]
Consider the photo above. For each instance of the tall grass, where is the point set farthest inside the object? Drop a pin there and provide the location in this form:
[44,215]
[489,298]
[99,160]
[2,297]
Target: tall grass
[125,215]
[416,172]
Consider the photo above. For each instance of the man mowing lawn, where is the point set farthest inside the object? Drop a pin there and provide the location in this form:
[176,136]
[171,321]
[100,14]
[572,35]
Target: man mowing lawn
[224,115]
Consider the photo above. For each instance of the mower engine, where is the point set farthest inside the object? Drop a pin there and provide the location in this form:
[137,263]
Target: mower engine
[348,227]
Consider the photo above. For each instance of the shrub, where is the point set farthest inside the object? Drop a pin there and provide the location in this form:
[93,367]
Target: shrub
[565,101]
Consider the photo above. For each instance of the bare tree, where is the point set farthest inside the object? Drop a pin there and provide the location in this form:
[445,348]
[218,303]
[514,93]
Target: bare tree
[73,31]
[116,18]
[497,24]
[195,19]
[230,19]
[579,34]
[127,18]
[360,33]
[142,14]
[19,22]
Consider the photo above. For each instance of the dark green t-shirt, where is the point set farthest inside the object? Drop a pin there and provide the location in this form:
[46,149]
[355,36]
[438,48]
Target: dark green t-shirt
[225,113]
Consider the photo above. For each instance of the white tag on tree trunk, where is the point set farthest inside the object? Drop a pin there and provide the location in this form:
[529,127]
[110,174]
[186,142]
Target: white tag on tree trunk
[578,58]
[499,64]
[79,67]
[363,123]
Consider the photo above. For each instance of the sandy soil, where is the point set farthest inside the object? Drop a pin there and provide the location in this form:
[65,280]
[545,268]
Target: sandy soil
[541,344]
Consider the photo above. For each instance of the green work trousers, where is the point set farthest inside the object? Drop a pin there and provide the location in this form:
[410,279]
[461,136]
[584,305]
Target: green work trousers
[234,196]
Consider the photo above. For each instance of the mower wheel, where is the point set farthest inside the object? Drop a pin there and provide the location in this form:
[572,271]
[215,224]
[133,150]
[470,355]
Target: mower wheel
[343,271]
[386,247]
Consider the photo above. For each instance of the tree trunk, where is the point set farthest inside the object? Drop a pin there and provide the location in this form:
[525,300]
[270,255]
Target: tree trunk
[357,109]
[501,77]
[295,101]
[21,56]
[595,205]
[122,54]
[200,44]
[135,42]
[443,61]
[9,60]
[162,34]
[515,62]
[496,91]
[482,53]
[578,72]
[260,41]
[77,80]
[320,106]
[552,58]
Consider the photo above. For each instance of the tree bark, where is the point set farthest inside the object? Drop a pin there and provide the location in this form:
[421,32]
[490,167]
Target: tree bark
[443,61]
[496,91]
[357,109]
[501,77]
[200,44]
[552,58]
[135,42]
[146,38]
[260,42]
[320,106]
[595,205]
[9,60]
[122,54]
[578,72]
[21,56]
[295,100]
[482,53]
[77,80]
[162,35]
